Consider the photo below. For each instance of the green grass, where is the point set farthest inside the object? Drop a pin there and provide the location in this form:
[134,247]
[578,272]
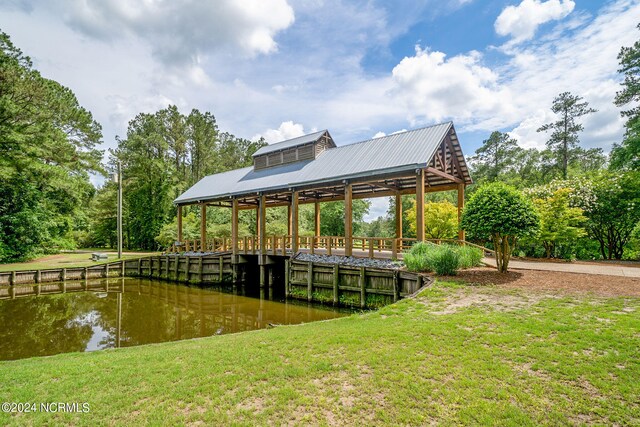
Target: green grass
[69,260]
[455,355]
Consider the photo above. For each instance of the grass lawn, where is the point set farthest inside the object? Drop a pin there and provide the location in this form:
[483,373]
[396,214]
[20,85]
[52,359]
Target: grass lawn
[69,260]
[457,354]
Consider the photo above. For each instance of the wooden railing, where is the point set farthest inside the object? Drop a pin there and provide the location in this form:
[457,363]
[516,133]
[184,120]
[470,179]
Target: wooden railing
[282,245]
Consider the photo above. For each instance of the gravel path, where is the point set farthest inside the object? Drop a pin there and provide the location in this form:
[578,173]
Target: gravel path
[356,262]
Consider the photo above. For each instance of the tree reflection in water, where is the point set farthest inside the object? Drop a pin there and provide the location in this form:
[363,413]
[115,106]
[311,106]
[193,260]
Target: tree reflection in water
[128,312]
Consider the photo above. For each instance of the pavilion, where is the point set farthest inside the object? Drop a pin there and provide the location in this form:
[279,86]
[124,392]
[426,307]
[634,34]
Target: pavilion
[312,169]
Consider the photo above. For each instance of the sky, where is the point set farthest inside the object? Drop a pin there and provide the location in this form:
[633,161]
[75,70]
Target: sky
[283,68]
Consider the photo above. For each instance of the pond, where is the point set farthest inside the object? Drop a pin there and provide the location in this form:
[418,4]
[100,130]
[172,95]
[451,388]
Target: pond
[125,312]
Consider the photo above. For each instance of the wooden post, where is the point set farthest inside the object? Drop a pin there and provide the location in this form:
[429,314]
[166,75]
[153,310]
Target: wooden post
[317,218]
[85,274]
[274,244]
[122,272]
[166,267]
[336,282]
[234,227]
[348,218]
[363,296]
[220,268]
[12,278]
[294,222]
[287,283]
[420,205]
[188,269]
[398,216]
[461,233]
[177,272]
[396,291]
[289,220]
[39,275]
[329,245]
[203,227]
[310,281]
[180,224]
[370,248]
[258,221]
[200,269]
[262,210]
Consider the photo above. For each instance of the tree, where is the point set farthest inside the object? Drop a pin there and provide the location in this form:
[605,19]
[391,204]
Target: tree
[494,157]
[615,212]
[560,223]
[564,136]
[47,150]
[627,155]
[440,220]
[502,214]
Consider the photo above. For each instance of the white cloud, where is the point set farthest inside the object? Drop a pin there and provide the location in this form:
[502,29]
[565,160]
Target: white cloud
[180,31]
[435,88]
[521,22]
[379,134]
[286,130]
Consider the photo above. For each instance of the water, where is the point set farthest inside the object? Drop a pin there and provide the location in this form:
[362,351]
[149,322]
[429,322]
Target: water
[129,312]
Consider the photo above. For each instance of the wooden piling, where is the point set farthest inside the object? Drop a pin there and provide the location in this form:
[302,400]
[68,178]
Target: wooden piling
[310,281]
[336,283]
[396,292]
[287,284]
[200,269]
[12,278]
[220,267]
[363,290]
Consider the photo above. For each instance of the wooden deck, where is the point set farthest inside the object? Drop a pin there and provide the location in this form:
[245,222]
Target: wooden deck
[361,247]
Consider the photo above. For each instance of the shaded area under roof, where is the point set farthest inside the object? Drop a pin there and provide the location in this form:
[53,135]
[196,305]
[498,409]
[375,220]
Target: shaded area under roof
[401,152]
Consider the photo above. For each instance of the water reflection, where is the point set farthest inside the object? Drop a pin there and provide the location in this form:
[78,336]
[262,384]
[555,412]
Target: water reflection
[128,312]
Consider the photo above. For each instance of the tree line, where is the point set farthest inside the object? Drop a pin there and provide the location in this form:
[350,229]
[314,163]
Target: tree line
[588,203]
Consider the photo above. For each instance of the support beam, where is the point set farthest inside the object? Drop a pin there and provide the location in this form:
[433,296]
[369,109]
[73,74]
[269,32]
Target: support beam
[294,222]
[398,216]
[348,220]
[445,175]
[257,209]
[262,215]
[317,218]
[234,227]
[203,227]
[180,224]
[461,233]
[420,205]
[289,219]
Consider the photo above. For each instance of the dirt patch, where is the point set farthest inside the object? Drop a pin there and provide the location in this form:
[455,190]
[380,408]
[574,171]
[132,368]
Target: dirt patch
[551,281]
[255,404]
[496,300]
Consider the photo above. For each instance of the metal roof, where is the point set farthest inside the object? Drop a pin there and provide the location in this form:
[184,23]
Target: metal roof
[394,153]
[301,140]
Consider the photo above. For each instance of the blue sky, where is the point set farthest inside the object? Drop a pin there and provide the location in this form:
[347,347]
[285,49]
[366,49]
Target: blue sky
[281,68]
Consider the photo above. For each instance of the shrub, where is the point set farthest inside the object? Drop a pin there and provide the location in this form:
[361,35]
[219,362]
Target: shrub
[441,259]
[469,256]
[445,260]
